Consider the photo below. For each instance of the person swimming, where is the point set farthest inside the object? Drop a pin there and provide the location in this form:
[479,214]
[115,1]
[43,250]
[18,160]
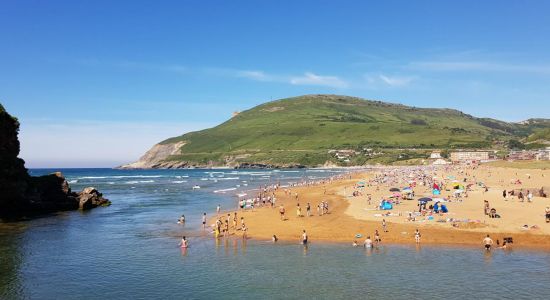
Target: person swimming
[181,220]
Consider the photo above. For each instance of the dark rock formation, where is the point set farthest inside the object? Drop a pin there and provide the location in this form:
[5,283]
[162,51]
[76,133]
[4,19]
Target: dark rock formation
[21,194]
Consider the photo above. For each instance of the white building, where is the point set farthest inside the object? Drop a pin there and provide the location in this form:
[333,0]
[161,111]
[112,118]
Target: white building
[435,155]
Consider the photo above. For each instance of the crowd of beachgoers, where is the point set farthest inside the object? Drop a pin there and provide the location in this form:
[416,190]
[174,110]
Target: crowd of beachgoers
[457,195]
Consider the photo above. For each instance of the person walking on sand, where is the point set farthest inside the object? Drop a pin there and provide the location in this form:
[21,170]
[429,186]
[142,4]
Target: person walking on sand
[520,197]
[244,229]
[377,238]
[384,225]
[304,238]
[488,242]
[547,212]
[235,221]
[204,221]
[298,210]
[308,210]
[417,236]
[529,196]
[486,207]
[282,212]
[504,194]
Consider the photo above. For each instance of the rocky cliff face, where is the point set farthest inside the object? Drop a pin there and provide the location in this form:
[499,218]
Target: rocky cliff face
[21,194]
[155,158]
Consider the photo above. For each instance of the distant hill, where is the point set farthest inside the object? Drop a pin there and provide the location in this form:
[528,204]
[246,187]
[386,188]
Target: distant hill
[301,130]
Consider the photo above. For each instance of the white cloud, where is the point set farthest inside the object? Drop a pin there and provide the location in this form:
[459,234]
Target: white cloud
[450,66]
[254,75]
[380,81]
[313,79]
[396,80]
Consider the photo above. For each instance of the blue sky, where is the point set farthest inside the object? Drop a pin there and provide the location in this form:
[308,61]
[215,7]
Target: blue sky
[96,83]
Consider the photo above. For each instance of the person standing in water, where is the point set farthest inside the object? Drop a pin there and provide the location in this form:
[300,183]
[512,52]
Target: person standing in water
[488,242]
[304,237]
[368,242]
[184,243]
[218,209]
[204,221]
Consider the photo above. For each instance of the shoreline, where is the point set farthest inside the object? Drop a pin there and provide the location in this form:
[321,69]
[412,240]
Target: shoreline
[341,224]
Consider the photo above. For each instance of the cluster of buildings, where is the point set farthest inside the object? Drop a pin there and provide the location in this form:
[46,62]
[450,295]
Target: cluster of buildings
[462,156]
[541,154]
[345,154]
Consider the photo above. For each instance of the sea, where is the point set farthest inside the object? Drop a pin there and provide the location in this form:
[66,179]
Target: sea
[130,250]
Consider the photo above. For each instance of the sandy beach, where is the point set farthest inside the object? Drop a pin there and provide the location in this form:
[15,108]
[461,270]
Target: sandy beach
[465,223]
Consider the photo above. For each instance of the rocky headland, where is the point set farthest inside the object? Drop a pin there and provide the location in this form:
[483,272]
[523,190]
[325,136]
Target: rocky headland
[24,195]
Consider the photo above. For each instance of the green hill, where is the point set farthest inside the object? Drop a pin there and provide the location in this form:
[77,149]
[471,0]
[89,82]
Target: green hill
[301,130]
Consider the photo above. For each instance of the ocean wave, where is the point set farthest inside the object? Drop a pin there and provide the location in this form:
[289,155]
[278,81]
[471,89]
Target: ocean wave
[73,181]
[179,181]
[225,190]
[139,181]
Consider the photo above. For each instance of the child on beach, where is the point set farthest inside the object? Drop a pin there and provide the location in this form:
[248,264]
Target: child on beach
[384,225]
[417,236]
[377,238]
[282,212]
[488,242]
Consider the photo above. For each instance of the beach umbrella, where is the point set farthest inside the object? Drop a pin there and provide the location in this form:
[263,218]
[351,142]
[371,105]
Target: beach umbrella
[425,199]
[394,190]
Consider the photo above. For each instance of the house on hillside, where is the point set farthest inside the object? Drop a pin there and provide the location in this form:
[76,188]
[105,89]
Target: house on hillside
[344,154]
[435,155]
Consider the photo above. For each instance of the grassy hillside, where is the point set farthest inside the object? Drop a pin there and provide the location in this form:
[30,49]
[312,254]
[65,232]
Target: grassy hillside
[300,130]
